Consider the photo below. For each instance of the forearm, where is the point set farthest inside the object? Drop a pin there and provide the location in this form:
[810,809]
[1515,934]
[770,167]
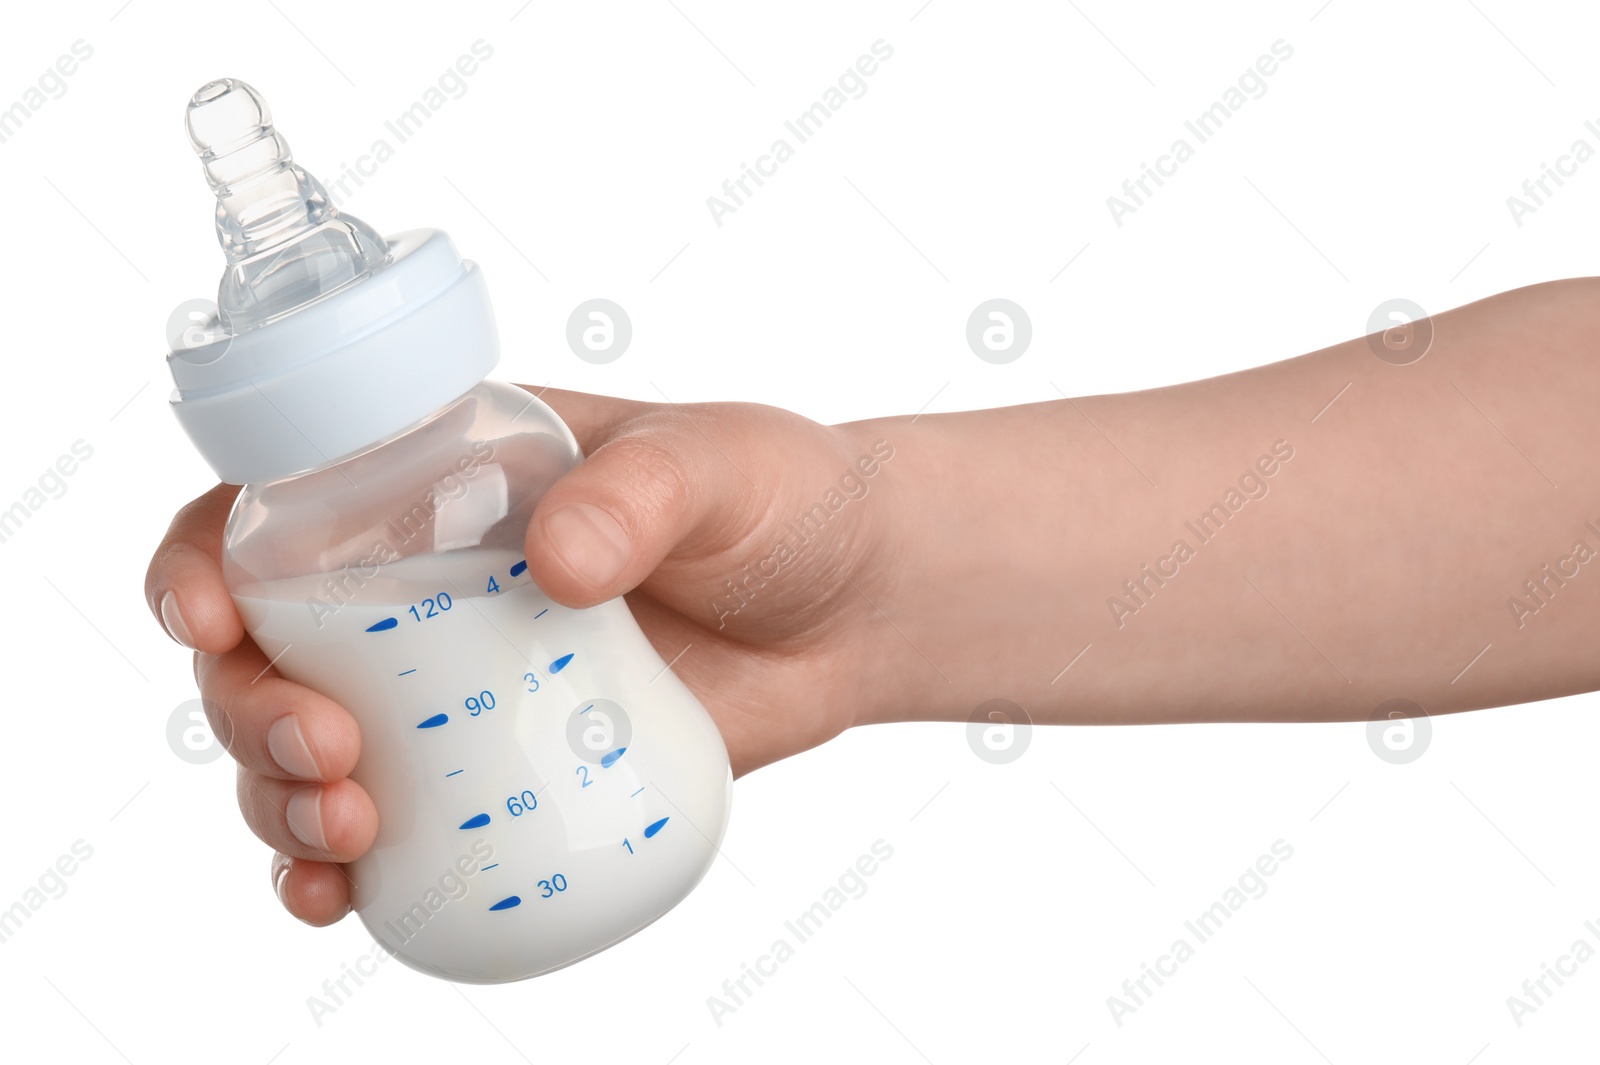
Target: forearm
[1376,560]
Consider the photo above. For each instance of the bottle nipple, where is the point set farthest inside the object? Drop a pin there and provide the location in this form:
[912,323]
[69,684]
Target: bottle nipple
[287,244]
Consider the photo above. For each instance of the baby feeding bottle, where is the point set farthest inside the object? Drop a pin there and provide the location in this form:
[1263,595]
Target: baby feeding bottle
[546,786]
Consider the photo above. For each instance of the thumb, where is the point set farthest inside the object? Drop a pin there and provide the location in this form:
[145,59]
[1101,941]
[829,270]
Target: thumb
[658,485]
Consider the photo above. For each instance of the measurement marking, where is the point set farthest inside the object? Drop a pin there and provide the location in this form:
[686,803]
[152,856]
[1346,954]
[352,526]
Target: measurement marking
[407,672]
[561,663]
[383,626]
[520,568]
[541,613]
[457,771]
[586,709]
[611,759]
[476,822]
[486,868]
[435,721]
[507,903]
[652,829]
[635,793]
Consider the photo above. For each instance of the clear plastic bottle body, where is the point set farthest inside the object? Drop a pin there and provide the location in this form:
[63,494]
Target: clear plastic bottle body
[545,785]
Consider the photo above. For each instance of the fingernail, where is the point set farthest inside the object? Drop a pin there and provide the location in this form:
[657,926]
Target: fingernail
[304,814]
[288,747]
[279,880]
[172,618]
[590,542]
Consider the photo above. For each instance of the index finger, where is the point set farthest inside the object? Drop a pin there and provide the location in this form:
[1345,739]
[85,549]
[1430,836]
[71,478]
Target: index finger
[184,586]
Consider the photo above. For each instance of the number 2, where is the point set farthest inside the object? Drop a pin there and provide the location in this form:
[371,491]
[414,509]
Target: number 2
[583,771]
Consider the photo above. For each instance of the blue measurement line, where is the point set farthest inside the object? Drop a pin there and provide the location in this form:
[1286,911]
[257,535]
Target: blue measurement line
[507,903]
[586,709]
[435,721]
[407,672]
[635,793]
[384,625]
[559,664]
[476,822]
[541,613]
[611,759]
[652,829]
[519,568]
[486,868]
[457,771]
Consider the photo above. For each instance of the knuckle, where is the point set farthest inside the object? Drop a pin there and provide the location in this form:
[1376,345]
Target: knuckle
[656,472]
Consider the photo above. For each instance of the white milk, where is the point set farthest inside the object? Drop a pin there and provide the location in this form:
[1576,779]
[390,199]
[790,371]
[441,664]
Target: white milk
[531,764]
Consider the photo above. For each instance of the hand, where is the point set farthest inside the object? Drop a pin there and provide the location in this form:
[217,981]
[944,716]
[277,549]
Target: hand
[672,503]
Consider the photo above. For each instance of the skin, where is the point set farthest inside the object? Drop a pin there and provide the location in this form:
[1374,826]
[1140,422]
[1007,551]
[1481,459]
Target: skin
[1376,562]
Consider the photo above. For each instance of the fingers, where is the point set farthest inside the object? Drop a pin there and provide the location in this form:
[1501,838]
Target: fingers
[324,822]
[272,725]
[184,585]
[658,483]
[316,892]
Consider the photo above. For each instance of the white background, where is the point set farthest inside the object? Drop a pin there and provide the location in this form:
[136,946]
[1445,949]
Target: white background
[1377,165]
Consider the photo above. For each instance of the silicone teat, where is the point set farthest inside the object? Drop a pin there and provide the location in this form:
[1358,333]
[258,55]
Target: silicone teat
[287,244]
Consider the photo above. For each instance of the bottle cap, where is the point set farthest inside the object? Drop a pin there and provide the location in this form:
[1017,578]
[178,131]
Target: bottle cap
[328,338]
